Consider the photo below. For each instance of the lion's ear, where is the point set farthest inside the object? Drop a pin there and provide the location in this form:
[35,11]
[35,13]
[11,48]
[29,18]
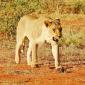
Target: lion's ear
[57,21]
[47,23]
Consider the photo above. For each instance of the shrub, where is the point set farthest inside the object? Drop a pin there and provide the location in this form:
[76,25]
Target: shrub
[73,36]
[12,10]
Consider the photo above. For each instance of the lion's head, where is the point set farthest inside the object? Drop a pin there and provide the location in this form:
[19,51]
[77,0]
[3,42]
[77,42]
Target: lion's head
[55,28]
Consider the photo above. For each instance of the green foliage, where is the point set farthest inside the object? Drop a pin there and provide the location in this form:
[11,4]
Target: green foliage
[73,36]
[77,7]
[11,11]
[83,6]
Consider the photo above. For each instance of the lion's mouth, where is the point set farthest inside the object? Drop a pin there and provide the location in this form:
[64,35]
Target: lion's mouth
[55,39]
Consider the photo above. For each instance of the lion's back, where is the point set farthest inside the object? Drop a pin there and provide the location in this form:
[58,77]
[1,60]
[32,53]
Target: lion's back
[30,25]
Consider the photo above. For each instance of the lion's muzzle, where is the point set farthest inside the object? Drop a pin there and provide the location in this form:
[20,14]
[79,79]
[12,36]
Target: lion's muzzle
[56,38]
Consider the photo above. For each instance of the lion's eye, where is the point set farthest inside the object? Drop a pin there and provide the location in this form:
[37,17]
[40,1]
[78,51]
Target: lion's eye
[60,29]
[54,30]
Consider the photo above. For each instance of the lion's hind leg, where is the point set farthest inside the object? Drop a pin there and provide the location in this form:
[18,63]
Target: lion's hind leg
[19,41]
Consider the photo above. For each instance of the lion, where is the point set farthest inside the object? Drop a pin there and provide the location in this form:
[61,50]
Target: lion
[38,30]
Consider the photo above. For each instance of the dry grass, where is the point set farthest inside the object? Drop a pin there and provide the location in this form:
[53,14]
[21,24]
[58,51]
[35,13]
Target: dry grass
[72,44]
[72,54]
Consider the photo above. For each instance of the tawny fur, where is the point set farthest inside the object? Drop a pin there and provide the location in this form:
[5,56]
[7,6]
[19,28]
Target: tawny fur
[37,30]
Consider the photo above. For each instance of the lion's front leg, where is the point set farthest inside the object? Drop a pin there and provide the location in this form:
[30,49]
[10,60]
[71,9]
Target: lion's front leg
[34,56]
[55,52]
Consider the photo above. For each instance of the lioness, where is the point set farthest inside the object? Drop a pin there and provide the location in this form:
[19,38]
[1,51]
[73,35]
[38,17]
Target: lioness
[38,30]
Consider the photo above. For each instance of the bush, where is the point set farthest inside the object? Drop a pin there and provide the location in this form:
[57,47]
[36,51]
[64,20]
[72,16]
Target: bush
[83,6]
[12,10]
[77,7]
[73,36]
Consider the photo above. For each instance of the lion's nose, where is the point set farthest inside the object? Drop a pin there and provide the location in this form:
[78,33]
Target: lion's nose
[59,36]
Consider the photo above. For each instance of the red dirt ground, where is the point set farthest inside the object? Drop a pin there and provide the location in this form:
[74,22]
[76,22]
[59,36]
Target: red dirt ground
[22,74]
